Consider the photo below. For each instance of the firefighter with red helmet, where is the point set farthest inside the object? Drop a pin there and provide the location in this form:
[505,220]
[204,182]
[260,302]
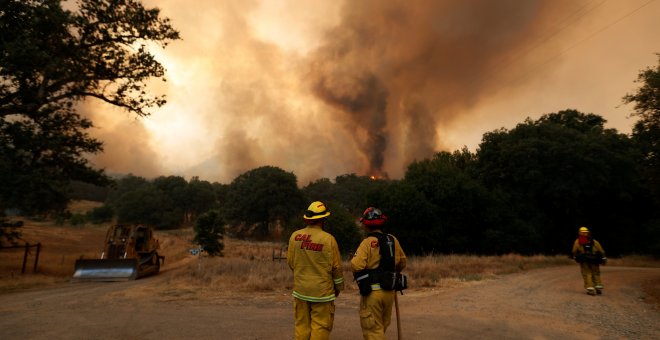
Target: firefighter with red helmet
[314,257]
[589,254]
[376,299]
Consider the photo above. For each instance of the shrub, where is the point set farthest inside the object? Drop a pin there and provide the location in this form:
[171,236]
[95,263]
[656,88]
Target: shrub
[100,214]
[77,219]
[209,232]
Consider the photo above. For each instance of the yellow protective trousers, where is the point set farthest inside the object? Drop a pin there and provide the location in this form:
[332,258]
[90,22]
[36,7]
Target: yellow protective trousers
[313,320]
[591,275]
[376,313]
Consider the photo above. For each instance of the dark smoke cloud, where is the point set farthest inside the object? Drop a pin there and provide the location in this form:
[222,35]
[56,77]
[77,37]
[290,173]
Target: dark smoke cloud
[322,88]
[399,69]
[365,104]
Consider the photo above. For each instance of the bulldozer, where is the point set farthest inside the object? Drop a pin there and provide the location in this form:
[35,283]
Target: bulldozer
[130,252]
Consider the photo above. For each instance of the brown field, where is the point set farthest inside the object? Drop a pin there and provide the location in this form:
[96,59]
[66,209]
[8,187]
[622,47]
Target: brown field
[246,266]
[81,207]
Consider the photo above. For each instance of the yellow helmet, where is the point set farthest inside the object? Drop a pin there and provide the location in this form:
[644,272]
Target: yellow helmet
[584,230]
[316,210]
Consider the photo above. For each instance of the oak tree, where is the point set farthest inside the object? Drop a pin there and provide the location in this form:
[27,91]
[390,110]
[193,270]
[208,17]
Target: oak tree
[51,59]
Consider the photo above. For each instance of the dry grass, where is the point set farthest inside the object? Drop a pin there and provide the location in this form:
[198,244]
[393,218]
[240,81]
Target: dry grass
[246,266]
[240,274]
[175,245]
[264,274]
[436,270]
[250,250]
[249,267]
[82,207]
[62,245]
[634,261]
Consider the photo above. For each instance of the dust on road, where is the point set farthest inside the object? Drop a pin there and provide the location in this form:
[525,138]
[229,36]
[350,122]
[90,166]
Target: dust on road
[538,304]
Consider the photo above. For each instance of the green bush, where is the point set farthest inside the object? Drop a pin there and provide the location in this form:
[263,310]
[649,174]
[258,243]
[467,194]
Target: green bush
[209,232]
[100,214]
[77,219]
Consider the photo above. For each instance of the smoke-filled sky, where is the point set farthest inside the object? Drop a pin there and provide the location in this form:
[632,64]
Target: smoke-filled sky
[325,88]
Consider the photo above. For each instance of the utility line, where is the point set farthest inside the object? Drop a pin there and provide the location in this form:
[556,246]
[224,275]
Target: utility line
[537,66]
[575,16]
[567,21]
[616,21]
[598,31]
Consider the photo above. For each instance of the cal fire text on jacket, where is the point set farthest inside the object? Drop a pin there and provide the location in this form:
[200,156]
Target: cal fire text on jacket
[307,243]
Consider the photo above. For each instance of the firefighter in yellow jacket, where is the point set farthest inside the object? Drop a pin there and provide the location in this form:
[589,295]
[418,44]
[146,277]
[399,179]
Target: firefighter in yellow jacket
[313,255]
[375,303]
[589,254]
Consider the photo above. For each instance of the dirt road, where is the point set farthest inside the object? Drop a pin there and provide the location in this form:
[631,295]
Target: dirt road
[538,304]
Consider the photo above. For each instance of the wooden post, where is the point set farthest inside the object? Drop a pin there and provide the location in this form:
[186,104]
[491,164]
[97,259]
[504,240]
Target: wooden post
[36,258]
[278,257]
[27,245]
[398,317]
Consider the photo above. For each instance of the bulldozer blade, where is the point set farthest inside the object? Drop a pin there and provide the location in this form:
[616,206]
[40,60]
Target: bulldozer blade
[106,270]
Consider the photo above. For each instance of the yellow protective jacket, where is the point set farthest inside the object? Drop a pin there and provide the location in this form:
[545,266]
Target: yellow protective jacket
[367,256]
[579,249]
[313,255]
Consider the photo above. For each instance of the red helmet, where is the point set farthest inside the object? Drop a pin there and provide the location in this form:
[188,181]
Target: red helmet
[373,217]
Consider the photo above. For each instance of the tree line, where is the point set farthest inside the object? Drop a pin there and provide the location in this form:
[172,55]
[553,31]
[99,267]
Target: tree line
[525,190]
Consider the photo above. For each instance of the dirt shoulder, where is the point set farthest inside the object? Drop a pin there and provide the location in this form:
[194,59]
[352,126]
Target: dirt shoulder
[538,304]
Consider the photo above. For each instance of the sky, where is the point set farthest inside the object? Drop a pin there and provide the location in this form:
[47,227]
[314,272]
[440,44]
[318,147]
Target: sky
[326,88]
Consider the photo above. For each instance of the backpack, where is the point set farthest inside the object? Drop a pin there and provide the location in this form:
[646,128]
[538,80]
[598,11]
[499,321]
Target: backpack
[385,274]
[589,256]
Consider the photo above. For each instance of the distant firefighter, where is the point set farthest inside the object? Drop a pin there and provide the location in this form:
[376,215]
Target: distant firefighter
[590,255]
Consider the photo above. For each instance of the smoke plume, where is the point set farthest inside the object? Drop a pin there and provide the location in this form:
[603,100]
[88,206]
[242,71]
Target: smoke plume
[323,88]
[398,70]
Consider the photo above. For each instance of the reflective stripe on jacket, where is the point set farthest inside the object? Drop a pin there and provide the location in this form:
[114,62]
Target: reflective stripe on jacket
[313,255]
[367,256]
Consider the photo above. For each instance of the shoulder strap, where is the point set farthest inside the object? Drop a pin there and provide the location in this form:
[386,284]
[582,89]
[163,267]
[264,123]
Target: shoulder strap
[386,246]
[589,248]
